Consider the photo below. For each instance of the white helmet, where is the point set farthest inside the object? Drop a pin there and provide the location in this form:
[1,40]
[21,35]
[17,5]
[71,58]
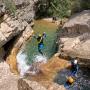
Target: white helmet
[44,32]
[75,61]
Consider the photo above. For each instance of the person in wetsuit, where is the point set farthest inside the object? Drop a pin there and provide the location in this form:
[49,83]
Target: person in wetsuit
[40,39]
[74,67]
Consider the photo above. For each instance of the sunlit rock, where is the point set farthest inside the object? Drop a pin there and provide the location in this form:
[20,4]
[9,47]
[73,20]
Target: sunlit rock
[8,81]
[75,36]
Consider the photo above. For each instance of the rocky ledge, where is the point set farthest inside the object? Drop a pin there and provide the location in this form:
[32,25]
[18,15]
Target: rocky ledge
[15,30]
[44,78]
[75,37]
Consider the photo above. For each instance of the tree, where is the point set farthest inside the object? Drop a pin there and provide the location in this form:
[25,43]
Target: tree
[85,4]
[60,8]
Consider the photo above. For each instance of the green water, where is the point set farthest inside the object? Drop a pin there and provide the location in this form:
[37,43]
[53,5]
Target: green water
[49,42]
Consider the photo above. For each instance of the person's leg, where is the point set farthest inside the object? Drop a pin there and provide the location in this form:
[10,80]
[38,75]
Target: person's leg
[67,84]
[74,73]
[39,49]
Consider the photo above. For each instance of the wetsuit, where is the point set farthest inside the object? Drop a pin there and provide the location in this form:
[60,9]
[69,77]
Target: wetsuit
[40,39]
[40,44]
[74,69]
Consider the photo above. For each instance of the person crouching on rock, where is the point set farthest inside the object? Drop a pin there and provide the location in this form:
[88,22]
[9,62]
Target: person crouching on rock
[74,67]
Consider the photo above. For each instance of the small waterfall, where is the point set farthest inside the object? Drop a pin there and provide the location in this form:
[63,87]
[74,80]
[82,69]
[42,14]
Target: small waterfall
[40,58]
[23,65]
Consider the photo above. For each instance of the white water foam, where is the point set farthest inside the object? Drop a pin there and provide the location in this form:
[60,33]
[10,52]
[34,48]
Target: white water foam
[22,63]
[23,67]
[40,58]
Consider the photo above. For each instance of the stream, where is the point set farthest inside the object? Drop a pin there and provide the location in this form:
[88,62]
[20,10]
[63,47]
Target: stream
[49,42]
[30,54]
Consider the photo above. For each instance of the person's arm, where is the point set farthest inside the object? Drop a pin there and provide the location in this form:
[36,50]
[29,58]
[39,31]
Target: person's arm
[44,35]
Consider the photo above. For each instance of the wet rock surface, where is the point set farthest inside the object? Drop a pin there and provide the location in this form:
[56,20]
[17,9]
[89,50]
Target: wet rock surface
[16,28]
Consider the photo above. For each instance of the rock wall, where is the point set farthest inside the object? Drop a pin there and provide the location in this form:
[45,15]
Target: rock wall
[25,9]
[9,28]
[11,59]
[12,26]
[75,37]
[17,27]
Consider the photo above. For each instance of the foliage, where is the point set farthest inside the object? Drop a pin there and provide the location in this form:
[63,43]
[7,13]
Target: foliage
[60,8]
[42,8]
[85,4]
[75,6]
[10,6]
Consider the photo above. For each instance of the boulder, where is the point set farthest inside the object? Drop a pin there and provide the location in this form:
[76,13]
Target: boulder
[10,28]
[16,29]
[25,9]
[24,84]
[8,81]
[75,36]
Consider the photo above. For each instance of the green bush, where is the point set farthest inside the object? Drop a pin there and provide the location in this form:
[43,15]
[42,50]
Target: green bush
[85,4]
[75,6]
[79,5]
[60,8]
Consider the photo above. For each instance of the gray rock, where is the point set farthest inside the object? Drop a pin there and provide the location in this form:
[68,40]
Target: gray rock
[2,9]
[24,84]
[8,81]
[75,36]
[10,28]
